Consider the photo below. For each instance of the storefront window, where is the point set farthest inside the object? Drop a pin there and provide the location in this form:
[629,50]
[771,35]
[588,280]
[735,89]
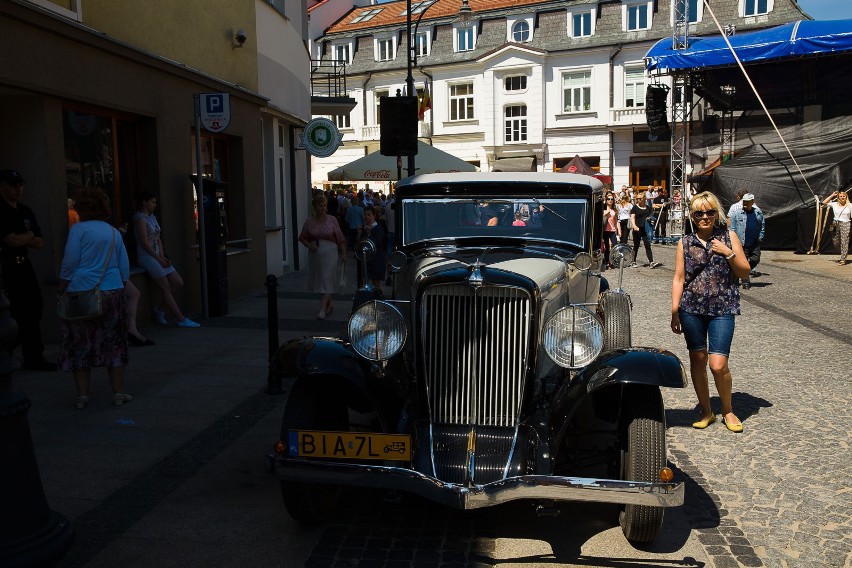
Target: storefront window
[649,170]
[102,150]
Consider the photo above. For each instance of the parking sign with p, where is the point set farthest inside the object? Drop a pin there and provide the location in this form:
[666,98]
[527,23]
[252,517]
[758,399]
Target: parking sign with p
[215,111]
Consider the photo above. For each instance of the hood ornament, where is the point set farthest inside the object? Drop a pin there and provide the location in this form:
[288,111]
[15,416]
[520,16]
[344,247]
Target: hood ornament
[475,279]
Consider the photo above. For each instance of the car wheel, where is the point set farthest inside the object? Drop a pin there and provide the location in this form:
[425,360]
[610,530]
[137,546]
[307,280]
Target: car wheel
[643,455]
[309,503]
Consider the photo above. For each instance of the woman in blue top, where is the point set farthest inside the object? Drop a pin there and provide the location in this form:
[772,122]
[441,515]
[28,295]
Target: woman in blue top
[95,249]
[705,298]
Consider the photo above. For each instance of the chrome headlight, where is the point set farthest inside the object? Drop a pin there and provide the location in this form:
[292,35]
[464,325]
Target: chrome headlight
[573,337]
[377,330]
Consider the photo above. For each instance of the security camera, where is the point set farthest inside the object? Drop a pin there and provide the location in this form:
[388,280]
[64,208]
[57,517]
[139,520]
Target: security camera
[240,38]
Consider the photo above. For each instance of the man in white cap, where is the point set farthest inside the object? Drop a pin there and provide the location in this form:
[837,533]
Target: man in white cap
[749,225]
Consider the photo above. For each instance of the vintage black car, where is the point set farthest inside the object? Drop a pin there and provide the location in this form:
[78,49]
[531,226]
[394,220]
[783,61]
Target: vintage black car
[499,368]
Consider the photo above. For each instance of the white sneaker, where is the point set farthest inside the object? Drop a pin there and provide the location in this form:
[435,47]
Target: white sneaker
[160,317]
[188,323]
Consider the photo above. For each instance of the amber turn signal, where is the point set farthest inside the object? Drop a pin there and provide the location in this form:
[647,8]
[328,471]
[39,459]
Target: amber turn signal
[280,447]
[666,474]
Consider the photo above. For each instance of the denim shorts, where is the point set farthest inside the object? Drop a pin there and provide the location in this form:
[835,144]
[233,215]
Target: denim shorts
[697,329]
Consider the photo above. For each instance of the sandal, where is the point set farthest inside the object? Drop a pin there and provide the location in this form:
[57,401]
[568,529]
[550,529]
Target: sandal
[120,398]
[702,424]
[82,401]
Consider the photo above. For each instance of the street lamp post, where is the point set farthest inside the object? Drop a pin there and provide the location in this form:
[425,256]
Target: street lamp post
[409,79]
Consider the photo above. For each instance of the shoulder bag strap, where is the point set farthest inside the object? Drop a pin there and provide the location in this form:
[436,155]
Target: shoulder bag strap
[106,262]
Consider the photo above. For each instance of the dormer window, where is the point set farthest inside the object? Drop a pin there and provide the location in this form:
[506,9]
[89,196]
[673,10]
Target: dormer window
[519,28]
[421,44]
[695,8]
[581,23]
[521,32]
[385,48]
[636,15]
[342,53]
[465,38]
[755,7]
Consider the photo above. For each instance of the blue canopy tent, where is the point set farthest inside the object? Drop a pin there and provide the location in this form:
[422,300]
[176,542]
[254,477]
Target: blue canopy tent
[792,66]
[805,38]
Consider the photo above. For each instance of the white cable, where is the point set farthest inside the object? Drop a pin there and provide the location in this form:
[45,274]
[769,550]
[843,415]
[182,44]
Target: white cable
[769,116]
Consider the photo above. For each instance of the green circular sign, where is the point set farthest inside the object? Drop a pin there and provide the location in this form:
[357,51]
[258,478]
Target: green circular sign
[321,137]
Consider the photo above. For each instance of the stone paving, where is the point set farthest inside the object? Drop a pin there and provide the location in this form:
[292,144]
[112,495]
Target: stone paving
[782,488]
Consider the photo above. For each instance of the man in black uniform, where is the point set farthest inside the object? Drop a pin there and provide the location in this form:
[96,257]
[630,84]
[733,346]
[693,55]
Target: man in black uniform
[19,231]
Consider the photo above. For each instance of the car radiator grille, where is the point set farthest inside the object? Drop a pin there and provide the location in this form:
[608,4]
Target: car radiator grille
[475,344]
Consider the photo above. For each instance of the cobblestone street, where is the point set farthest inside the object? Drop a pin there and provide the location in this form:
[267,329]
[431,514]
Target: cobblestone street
[782,487]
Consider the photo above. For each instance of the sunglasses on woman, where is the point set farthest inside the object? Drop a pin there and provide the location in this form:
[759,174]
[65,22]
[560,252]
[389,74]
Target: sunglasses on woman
[702,214]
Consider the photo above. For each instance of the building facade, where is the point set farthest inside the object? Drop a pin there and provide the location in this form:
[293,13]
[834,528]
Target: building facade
[523,85]
[98,92]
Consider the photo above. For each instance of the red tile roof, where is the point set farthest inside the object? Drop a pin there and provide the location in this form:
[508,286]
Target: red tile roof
[393,13]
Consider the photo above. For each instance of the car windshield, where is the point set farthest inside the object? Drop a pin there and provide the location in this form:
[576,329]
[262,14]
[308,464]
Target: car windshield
[562,220]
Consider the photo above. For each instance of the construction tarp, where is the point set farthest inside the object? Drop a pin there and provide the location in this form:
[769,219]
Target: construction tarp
[823,151]
[792,40]
[429,160]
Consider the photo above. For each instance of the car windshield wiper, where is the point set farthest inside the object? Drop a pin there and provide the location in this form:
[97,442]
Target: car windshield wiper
[546,208]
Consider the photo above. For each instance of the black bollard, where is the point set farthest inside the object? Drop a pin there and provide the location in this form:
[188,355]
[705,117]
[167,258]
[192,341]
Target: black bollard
[273,382]
[30,533]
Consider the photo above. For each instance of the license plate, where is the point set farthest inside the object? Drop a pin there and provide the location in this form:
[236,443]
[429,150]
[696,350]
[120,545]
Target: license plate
[349,445]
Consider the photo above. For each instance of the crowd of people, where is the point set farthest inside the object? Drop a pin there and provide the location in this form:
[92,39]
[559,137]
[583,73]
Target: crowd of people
[95,258]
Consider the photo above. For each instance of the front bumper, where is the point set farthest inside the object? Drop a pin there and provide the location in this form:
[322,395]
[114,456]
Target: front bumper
[533,487]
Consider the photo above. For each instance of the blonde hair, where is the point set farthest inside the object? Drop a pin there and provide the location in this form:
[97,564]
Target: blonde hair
[710,200]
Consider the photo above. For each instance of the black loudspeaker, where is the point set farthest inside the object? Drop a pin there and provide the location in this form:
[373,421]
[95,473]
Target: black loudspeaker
[398,126]
[655,109]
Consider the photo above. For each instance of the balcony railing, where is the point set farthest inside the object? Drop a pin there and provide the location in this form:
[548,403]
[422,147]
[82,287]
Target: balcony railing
[328,78]
[627,116]
[424,130]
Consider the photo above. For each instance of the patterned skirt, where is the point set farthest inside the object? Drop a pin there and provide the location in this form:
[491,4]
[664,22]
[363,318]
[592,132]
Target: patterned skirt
[100,342]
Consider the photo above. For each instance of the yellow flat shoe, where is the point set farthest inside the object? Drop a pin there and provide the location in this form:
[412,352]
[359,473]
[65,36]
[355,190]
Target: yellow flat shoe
[702,424]
[732,427]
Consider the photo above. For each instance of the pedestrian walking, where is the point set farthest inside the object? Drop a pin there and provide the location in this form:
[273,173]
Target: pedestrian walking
[842,220]
[611,228]
[748,223]
[624,207]
[639,215]
[326,246]
[20,232]
[705,299]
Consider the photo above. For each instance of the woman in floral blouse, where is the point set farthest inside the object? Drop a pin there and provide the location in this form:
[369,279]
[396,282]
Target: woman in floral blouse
[326,246]
[705,298]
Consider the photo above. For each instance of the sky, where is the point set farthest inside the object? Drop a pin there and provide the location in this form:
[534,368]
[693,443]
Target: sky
[827,9]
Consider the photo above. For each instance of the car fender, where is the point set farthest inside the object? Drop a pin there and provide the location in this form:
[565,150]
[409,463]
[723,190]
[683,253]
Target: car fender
[637,365]
[328,369]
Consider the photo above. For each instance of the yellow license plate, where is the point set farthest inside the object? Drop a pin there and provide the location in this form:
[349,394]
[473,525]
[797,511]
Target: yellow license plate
[349,445]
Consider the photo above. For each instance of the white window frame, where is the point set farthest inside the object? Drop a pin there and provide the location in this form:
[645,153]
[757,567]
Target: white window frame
[377,95]
[588,13]
[515,127]
[384,40]
[427,43]
[770,6]
[638,96]
[344,46]
[467,29]
[461,102]
[342,121]
[75,13]
[628,5]
[694,18]
[512,23]
[523,76]
[586,86]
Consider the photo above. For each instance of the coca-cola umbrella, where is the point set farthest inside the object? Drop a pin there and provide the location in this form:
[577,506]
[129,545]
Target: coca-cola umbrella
[376,167]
